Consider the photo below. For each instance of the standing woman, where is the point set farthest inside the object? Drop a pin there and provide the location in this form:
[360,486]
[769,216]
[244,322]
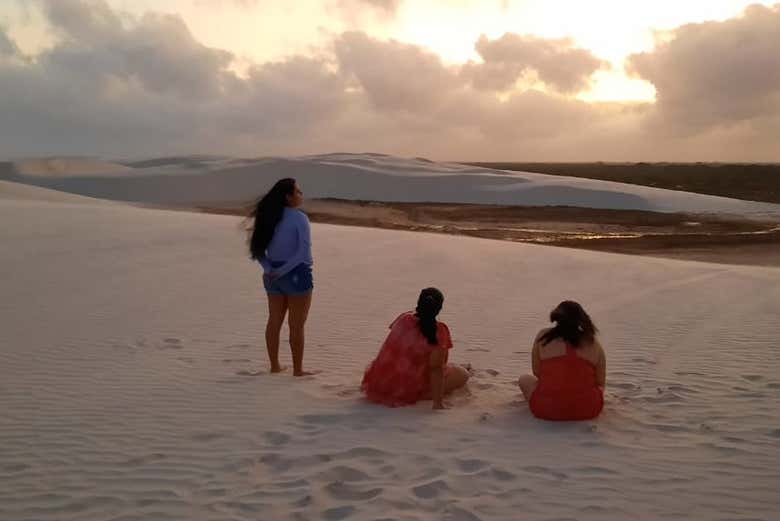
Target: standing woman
[569,368]
[281,242]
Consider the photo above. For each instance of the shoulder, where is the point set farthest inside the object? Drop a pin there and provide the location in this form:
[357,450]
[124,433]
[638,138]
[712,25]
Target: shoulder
[299,215]
[443,328]
[597,345]
[537,340]
[541,333]
[443,332]
[294,214]
[405,318]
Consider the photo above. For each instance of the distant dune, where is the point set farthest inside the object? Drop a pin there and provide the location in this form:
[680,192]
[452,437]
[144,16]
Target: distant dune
[208,180]
[752,182]
[10,191]
[68,167]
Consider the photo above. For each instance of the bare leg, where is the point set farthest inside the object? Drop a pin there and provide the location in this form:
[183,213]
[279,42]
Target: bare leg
[299,311]
[527,384]
[455,378]
[277,309]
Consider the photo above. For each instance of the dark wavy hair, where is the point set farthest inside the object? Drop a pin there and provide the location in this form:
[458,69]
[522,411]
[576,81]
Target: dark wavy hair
[572,324]
[266,214]
[428,306]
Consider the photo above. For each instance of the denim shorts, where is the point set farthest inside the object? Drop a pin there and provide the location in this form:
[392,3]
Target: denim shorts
[298,281]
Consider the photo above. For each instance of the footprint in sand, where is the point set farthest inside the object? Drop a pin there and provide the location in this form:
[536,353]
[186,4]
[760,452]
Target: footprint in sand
[343,473]
[471,465]
[338,513]
[460,514]
[207,436]
[170,343]
[348,492]
[432,489]
[238,346]
[544,471]
[322,419]
[276,438]
[250,372]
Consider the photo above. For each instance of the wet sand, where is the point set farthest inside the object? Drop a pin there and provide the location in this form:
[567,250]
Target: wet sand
[673,235]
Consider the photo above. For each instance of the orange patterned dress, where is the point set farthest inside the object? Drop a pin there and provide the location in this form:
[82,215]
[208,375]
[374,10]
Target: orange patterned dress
[400,373]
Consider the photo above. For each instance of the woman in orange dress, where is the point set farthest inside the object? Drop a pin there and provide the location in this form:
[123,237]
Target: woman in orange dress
[412,363]
[569,368]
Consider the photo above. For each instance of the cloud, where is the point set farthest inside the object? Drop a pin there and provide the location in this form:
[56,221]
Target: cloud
[556,62]
[283,98]
[221,3]
[394,75]
[386,6]
[7,46]
[389,6]
[119,85]
[716,73]
[158,51]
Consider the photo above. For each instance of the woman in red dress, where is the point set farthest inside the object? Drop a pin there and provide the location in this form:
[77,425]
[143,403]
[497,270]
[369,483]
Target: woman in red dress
[569,368]
[412,363]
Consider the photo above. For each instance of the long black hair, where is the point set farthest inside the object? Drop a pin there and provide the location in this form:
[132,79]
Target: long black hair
[428,306]
[266,214]
[572,324]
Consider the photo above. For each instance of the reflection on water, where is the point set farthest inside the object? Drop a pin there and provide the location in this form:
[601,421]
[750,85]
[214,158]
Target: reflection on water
[541,235]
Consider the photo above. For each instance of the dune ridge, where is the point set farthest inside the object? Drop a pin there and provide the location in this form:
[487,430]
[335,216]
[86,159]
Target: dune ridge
[204,180]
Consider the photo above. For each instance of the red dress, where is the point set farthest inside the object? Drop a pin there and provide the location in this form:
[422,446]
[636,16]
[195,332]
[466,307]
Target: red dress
[400,373]
[567,389]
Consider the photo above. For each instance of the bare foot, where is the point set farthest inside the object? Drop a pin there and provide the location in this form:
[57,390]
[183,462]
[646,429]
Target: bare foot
[279,369]
[306,373]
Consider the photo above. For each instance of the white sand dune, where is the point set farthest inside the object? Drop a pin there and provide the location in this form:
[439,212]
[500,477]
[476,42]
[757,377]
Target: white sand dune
[208,180]
[69,167]
[10,191]
[129,338]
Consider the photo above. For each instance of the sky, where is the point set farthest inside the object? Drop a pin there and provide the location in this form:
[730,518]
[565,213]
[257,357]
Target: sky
[489,80]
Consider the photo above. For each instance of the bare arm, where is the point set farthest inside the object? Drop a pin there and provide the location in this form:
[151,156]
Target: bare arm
[535,359]
[601,368]
[303,231]
[436,362]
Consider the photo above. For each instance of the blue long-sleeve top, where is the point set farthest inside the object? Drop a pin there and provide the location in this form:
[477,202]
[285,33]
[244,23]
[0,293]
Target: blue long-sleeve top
[290,245]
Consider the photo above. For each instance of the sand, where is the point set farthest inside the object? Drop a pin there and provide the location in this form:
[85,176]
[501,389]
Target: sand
[129,337]
[11,192]
[68,167]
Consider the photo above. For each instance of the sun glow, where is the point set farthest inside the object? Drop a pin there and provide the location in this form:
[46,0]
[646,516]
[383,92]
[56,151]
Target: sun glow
[611,29]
